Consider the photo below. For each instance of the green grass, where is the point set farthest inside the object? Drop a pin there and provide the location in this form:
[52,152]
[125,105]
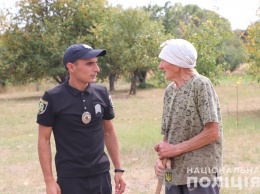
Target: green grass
[137,122]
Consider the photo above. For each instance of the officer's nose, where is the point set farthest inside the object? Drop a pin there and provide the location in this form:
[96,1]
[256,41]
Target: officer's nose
[96,68]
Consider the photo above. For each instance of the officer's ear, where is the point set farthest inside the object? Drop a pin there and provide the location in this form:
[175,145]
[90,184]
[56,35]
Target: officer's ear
[69,66]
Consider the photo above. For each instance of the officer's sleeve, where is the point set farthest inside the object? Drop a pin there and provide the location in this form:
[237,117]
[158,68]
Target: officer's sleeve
[109,109]
[45,113]
[207,103]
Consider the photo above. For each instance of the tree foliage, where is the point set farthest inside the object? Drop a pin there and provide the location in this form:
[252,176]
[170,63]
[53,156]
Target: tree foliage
[208,40]
[173,16]
[204,28]
[133,41]
[35,41]
[234,53]
[142,39]
[252,46]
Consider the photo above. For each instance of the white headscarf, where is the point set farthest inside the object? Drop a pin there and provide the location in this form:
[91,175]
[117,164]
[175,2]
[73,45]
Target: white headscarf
[179,52]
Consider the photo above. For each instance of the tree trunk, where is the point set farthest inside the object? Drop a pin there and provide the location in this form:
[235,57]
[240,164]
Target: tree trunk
[2,84]
[141,78]
[60,78]
[112,78]
[133,83]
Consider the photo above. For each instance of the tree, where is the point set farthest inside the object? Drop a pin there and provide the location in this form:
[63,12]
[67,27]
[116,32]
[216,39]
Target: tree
[252,46]
[3,23]
[208,40]
[133,42]
[143,38]
[35,41]
[233,52]
[19,56]
[112,65]
[173,15]
[204,28]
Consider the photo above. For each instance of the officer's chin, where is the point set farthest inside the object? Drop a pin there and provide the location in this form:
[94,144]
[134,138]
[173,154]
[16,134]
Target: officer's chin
[93,80]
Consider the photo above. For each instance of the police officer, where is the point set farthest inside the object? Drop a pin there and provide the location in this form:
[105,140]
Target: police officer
[79,113]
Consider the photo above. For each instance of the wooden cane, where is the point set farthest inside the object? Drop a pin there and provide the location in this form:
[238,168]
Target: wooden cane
[160,181]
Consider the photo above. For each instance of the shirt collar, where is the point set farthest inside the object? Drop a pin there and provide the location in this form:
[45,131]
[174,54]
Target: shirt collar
[75,91]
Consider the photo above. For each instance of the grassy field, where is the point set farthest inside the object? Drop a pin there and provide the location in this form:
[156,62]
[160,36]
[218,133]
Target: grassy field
[137,123]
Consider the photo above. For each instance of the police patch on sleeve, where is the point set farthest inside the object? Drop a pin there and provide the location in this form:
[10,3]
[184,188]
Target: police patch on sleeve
[42,106]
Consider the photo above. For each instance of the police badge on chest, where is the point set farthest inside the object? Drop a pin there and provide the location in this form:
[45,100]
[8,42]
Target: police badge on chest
[86,117]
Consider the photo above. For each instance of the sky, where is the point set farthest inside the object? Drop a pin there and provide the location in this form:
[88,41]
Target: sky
[239,13]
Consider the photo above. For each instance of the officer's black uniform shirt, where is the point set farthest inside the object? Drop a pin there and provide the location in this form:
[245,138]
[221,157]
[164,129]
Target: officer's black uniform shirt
[79,146]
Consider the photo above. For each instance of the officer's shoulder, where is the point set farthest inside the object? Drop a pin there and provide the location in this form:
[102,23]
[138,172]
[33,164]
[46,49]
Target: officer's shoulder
[98,87]
[56,90]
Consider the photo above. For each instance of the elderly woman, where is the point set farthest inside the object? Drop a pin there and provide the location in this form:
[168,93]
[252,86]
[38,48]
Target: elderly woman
[191,124]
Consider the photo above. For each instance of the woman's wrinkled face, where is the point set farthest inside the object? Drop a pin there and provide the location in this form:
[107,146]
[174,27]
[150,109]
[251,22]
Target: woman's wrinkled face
[171,71]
